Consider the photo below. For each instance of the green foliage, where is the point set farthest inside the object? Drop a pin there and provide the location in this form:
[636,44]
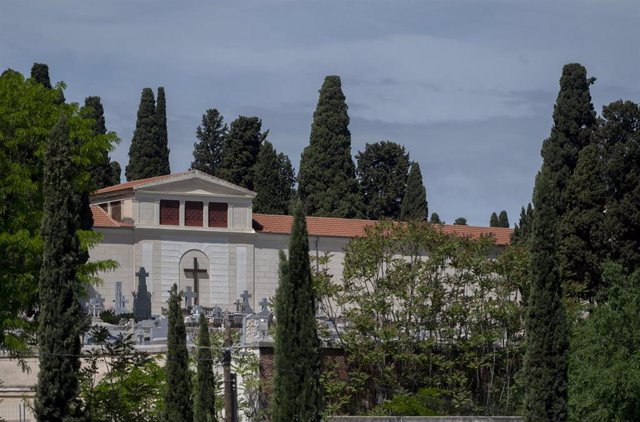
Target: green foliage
[493,221]
[119,383]
[205,406]
[178,399]
[207,152]
[522,230]
[420,404]
[110,317]
[326,181]
[148,155]
[414,203]
[273,181]
[240,153]
[460,221]
[61,317]
[297,392]
[40,74]
[427,310]
[116,173]
[102,172]
[382,171]
[435,219]
[28,111]
[604,367]
[163,134]
[503,219]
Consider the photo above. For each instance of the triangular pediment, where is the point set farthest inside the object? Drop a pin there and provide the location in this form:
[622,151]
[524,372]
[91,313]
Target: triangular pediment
[196,183]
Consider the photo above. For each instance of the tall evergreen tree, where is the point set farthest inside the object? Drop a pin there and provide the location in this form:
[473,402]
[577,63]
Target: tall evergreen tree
[273,181]
[205,409]
[116,173]
[162,132]
[102,171]
[61,317]
[326,180]
[207,152]
[546,356]
[382,171]
[146,156]
[297,391]
[178,399]
[503,219]
[241,149]
[522,230]
[493,220]
[40,74]
[435,219]
[414,203]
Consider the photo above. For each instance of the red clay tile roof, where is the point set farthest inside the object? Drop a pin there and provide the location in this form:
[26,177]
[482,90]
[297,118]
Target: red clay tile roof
[102,219]
[134,183]
[343,227]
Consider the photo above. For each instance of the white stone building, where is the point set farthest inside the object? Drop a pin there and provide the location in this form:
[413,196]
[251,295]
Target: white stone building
[172,225]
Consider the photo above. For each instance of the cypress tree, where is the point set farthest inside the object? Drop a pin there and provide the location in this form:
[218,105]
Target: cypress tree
[493,221]
[241,149]
[435,219]
[297,389]
[382,171]
[207,152]
[503,219]
[116,172]
[522,230]
[414,203]
[162,133]
[40,74]
[546,356]
[178,400]
[61,318]
[326,181]
[205,409]
[146,156]
[274,180]
[101,172]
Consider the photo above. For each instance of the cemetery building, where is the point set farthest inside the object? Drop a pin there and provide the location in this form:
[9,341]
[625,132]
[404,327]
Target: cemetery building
[200,232]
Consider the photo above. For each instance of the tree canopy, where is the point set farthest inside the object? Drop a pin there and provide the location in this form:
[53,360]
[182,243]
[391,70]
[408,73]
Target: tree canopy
[240,152]
[208,150]
[414,203]
[273,181]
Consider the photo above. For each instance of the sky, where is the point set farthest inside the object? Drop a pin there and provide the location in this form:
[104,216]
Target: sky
[467,87]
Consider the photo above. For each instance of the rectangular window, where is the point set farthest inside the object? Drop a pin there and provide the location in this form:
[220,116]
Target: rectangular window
[193,214]
[170,212]
[105,207]
[116,210]
[218,214]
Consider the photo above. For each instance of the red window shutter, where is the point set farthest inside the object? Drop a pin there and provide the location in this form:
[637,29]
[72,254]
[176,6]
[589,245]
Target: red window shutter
[193,213]
[169,212]
[218,214]
[116,210]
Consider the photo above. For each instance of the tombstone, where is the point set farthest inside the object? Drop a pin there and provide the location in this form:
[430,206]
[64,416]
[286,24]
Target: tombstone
[264,307]
[255,326]
[142,298]
[120,300]
[188,296]
[246,307]
[96,305]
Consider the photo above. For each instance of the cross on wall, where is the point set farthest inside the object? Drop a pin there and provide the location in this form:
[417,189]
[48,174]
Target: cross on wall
[195,274]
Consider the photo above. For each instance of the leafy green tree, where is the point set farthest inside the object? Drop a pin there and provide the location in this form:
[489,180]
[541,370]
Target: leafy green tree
[604,366]
[241,149]
[61,317]
[208,151]
[493,221]
[178,398]
[146,155]
[102,173]
[546,360]
[28,111]
[435,218]
[273,181]
[297,391]
[382,171]
[414,203]
[40,74]
[460,221]
[503,219]
[326,180]
[162,132]
[205,409]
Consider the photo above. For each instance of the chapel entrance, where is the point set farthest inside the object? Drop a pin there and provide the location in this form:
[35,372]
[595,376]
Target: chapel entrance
[195,279]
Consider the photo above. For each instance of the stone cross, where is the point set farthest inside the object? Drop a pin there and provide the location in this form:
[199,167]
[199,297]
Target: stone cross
[96,304]
[246,307]
[188,295]
[263,305]
[120,300]
[142,299]
[195,273]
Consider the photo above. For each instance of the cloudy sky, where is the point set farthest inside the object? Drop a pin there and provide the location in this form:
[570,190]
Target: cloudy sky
[467,86]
